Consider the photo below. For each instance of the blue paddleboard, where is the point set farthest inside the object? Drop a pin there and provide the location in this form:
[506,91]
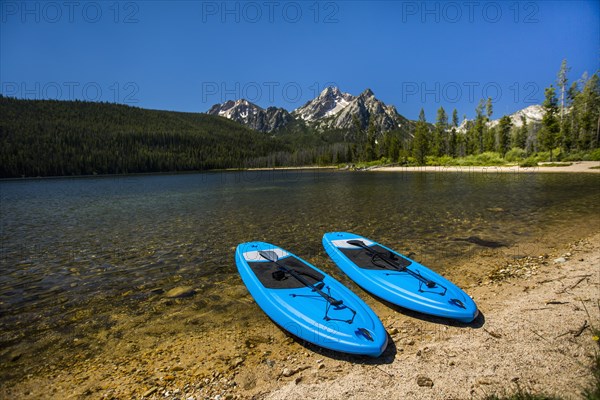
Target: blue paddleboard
[307,302]
[397,279]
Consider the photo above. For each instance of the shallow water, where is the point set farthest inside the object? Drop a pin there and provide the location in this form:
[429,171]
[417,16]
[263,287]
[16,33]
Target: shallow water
[75,253]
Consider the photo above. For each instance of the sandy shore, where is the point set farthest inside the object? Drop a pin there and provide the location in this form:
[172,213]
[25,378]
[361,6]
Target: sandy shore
[534,333]
[578,167]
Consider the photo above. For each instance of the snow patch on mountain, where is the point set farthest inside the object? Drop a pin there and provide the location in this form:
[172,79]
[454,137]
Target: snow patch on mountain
[533,115]
[329,102]
[251,115]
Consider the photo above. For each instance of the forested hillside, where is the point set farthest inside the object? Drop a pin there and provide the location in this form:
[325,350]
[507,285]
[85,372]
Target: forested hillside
[50,138]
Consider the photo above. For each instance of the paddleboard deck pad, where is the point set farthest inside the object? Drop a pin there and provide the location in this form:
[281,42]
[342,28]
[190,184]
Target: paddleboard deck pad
[307,302]
[397,279]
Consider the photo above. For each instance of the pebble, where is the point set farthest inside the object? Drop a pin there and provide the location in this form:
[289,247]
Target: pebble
[394,331]
[150,392]
[15,356]
[424,381]
[180,291]
[560,260]
[237,362]
[289,372]
[484,381]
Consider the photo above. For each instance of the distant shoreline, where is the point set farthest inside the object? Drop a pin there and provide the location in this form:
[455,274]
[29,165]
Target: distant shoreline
[157,173]
[575,167]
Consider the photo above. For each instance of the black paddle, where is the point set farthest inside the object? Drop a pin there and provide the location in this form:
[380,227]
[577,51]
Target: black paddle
[430,284]
[272,256]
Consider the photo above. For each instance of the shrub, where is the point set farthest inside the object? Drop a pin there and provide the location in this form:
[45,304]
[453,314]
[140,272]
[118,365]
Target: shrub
[529,162]
[443,160]
[594,155]
[490,158]
[575,156]
[515,154]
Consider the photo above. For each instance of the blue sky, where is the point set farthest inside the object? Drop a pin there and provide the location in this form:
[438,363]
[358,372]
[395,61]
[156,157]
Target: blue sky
[186,56]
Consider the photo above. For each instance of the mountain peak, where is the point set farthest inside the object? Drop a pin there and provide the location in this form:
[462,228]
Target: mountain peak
[244,102]
[367,93]
[331,101]
[249,114]
[533,114]
[330,91]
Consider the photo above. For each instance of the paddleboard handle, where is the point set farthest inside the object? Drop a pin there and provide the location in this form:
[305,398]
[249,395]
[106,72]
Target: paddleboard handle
[390,261]
[273,257]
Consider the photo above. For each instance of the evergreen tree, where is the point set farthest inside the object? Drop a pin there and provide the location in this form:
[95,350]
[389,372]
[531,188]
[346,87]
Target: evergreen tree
[561,81]
[489,134]
[587,108]
[453,142]
[371,141]
[421,140]
[570,123]
[519,137]
[479,126]
[440,142]
[489,138]
[359,139]
[394,148]
[504,135]
[489,109]
[550,124]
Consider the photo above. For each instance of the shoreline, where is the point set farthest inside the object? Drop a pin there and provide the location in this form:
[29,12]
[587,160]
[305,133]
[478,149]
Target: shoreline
[575,167]
[532,309]
[163,173]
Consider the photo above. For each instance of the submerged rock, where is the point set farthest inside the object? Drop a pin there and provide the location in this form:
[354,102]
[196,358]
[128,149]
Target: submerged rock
[181,291]
[481,242]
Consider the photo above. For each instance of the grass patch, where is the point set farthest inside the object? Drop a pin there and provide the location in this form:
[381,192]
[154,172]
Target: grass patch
[487,159]
[593,391]
[522,395]
[596,167]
